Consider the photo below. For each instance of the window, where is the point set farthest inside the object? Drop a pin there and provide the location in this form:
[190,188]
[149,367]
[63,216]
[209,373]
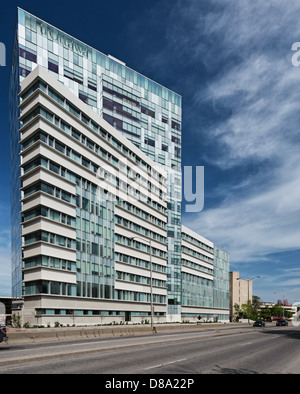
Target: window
[53,66]
[24,71]
[95,249]
[54,167]
[175,125]
[73,110]
[147,111]
[43,236]
[55,96]
[54,215]
[176,140]
[85,119]
[83,97]
[54,288]
[64,126]
[36,162]
[47,188]
[61,241]
[65,196]
[43,286]
[149,141]
[88,99]
[85,225]
[75,156]
[85,162]
[92,84]
[177,152]
[74,75]
[27,54]
[75,134]
[60,147]
[85,204]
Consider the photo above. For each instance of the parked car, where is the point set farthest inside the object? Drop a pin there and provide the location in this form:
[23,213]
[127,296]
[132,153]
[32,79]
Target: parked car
[259,323]
[282,323]
[3,336]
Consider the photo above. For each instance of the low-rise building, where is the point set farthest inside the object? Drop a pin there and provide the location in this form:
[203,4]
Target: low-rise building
[205,279]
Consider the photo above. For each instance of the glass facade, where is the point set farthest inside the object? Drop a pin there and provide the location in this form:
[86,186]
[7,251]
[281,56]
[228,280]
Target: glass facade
[148,114]
[94,245]
[15,148]
[221,278]
[196,291]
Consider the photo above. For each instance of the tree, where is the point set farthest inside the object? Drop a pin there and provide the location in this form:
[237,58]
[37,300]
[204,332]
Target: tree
[265,313]
[237,313]
[278,310]
[16,320]
[255,307]
[252,308]
[248,308]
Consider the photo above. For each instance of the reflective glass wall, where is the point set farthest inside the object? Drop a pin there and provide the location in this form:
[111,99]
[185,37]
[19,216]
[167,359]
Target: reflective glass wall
[221,278]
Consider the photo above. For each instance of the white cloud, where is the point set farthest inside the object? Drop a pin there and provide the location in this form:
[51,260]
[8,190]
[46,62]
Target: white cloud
[256,88]
[264,113]
[255,222]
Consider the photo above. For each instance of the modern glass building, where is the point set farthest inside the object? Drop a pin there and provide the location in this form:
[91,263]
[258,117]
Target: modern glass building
[148,114]
[133,108]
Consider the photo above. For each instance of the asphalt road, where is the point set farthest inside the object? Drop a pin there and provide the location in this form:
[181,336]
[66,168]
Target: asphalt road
[270,350]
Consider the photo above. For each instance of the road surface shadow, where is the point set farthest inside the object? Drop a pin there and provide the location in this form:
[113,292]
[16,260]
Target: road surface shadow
[292,332]
[233,371]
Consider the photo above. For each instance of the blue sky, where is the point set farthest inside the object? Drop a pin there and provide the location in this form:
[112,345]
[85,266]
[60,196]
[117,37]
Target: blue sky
[231,62]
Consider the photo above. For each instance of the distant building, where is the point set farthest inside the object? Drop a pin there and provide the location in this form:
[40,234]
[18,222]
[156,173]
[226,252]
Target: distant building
[286,307]
[240,291]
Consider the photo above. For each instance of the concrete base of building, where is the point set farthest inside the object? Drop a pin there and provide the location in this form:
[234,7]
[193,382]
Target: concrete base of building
[130,313]
[173,318]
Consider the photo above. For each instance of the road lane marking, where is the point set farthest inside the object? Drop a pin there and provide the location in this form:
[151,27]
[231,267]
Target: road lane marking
[245,344]
[161,365]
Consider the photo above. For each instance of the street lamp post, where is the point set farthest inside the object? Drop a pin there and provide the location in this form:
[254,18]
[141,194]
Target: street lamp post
[248,280]
[151,289]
